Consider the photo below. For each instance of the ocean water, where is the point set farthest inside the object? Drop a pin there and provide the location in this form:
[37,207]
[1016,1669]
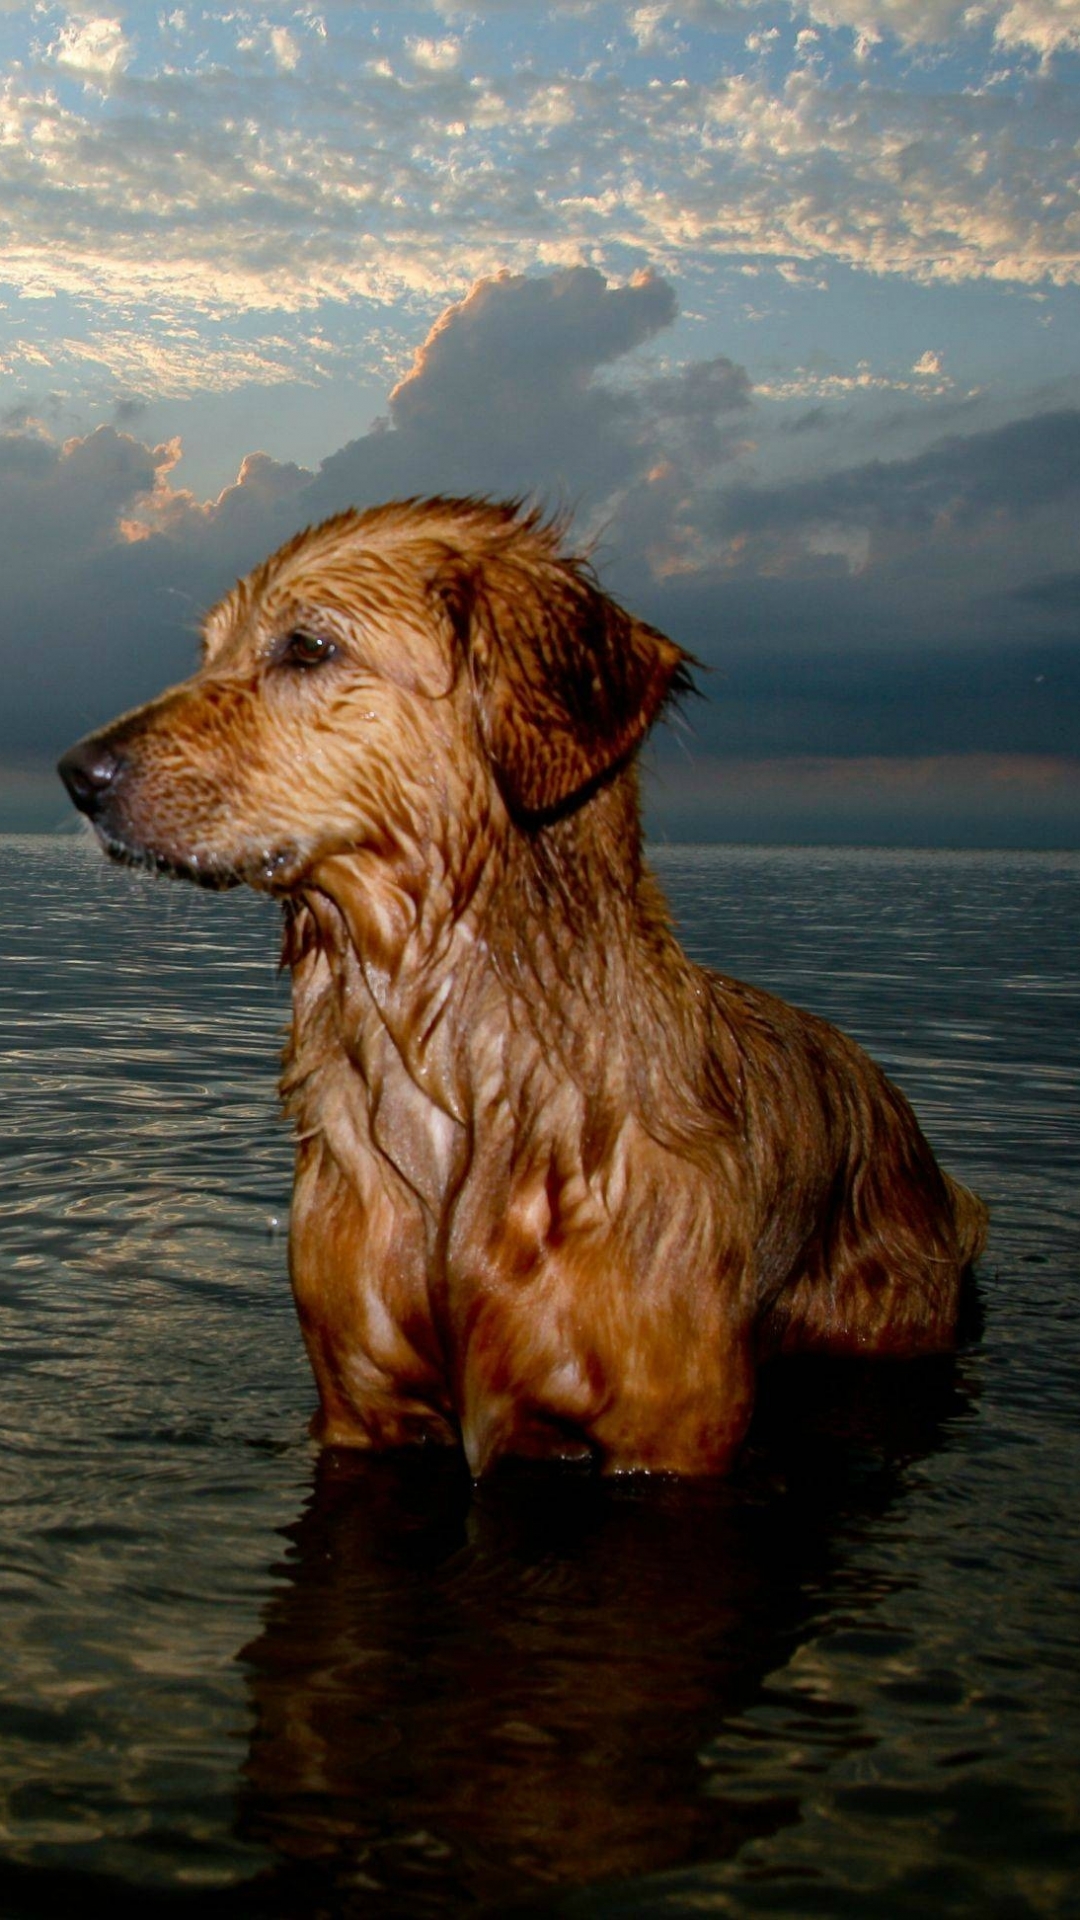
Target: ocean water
[239,1678]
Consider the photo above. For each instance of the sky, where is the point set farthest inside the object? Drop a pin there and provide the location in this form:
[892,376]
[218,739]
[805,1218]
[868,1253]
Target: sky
[780,303]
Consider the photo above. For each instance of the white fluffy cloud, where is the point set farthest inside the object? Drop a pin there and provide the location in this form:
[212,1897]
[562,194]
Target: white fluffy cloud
[93,48]
[1045,25]
[932,187]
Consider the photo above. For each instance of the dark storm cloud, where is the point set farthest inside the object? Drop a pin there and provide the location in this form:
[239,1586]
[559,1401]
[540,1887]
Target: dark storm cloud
[693,409]
[965,477]
[1002,696]
[129,409]
[948,636]
[814,420]
[76,490]
[88,619]
[1057,597]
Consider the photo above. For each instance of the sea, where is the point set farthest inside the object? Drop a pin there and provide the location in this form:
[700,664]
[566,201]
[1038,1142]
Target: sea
[240,1677]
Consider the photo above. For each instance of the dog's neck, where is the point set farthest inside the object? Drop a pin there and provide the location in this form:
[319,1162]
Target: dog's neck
[442,960]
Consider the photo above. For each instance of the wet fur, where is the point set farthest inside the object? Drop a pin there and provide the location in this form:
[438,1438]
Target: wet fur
[558,1190]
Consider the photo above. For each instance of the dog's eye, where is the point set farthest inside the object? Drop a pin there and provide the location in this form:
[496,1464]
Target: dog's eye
[307,650]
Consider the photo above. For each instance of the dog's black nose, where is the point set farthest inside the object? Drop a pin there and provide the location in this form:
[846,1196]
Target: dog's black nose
[88,771]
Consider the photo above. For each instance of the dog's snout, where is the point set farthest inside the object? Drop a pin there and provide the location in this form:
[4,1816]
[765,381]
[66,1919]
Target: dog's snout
[88,771]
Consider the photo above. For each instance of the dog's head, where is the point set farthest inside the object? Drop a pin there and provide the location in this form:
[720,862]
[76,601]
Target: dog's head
[381,676]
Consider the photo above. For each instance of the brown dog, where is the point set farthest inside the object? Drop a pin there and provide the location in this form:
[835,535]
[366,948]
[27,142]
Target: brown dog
[558,1190]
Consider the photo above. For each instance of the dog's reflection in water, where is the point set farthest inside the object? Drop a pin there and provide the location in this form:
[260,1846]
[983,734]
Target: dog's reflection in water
[463,1698]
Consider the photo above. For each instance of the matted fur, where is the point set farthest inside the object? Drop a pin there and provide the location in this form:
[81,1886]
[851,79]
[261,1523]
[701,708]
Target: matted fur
[558,1190]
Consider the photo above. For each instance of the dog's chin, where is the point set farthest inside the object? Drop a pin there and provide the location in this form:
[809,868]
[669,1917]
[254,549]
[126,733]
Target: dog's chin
[201,869]
[275,870]
[278,870]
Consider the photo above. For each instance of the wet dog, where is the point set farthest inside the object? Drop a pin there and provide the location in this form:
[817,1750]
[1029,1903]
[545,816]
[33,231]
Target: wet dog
[558,1190]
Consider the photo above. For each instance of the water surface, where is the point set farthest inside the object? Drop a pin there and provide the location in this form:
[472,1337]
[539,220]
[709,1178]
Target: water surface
[240,1677]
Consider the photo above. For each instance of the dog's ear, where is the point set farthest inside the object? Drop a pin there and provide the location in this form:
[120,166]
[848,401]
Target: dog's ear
[566,682]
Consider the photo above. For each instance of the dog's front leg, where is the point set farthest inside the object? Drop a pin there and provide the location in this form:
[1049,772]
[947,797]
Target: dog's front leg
[637,1394]
[357,1260]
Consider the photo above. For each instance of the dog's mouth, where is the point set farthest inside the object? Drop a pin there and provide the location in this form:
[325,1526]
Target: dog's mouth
[216,875]
[269,870]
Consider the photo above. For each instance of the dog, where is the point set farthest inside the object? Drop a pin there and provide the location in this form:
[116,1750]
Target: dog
[559,1191]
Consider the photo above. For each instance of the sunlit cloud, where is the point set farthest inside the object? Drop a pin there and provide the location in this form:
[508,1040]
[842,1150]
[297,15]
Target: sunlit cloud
[177,360]
[927,380]
[434,56]
[95,49]
[1045,25]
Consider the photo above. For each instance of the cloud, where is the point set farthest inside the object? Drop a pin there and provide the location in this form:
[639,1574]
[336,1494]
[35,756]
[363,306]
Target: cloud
[926,378]
[267,501]
[1057,596]
[435,56]
[523,387]
[519,342]
[168,361]
[95,50]
[897,607]
[1050,26]
[961,488]
[507,395]
[89,621]
[888,183]
[73,493]
[285,48]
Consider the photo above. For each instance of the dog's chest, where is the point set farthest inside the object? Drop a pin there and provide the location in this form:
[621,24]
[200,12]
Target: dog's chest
[408,1126]
[383,1129]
